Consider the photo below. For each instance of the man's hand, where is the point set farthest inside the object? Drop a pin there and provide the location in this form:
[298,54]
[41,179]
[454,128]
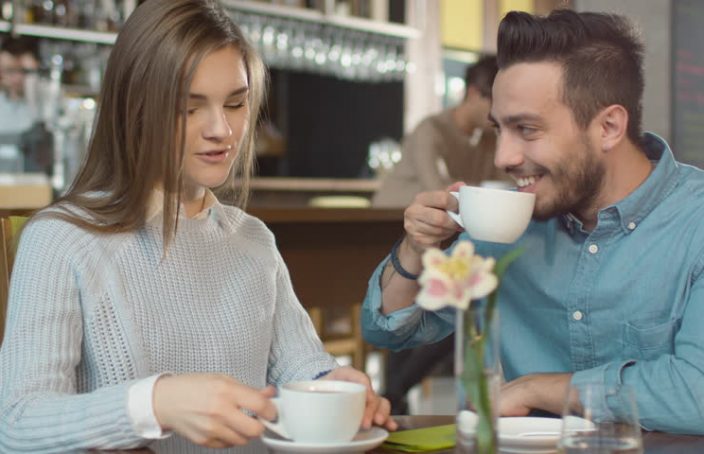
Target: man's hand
[377,409]
[426,222]
[538,391]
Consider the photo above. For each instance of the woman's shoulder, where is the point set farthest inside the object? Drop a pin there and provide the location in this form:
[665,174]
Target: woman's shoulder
[64,228]
[246,224]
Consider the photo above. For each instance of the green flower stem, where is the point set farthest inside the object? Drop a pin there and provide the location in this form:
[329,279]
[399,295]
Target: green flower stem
[477,386]
[474,375]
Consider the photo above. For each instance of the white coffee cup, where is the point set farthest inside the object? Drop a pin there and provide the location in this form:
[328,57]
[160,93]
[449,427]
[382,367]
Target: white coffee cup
[319,411]
[496,215]
[497,184]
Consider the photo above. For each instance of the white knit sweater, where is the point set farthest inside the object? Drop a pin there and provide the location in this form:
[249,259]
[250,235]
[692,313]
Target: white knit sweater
[90,314]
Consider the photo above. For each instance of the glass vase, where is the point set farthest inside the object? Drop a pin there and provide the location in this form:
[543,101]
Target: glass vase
[477,378]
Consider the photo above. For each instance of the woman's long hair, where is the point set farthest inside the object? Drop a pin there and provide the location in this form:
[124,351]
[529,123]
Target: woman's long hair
[142,108]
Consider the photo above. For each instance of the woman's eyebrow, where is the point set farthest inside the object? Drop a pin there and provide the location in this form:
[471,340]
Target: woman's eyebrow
[200,97]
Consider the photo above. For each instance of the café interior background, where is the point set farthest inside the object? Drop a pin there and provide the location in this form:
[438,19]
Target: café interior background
[347,77]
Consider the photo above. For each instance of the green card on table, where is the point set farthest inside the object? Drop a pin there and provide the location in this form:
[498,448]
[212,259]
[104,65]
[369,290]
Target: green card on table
[420,440]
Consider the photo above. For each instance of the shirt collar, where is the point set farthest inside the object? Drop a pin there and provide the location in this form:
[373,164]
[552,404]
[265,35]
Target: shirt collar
[638,204]
[155,206]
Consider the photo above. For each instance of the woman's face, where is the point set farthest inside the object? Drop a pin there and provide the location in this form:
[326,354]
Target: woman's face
[217,119]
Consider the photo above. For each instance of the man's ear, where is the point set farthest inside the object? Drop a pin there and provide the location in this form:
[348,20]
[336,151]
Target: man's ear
[613,126]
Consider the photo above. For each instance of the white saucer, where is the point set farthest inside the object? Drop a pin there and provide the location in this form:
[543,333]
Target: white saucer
[529,435]
[363,441]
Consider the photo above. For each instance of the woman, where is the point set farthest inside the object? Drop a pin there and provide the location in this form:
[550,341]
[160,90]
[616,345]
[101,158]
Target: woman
[141,308]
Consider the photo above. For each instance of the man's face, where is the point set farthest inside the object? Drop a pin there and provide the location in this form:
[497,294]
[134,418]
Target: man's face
[539,143]
[13,70]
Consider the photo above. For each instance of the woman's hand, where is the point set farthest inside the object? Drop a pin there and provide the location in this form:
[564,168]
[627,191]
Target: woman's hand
[208,409]
[378,409]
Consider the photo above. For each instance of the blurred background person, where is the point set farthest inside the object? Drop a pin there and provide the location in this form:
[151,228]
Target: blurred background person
[18,58]
[456,144]
[25,144]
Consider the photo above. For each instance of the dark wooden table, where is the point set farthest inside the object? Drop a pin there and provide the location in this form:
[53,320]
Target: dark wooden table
[653,442]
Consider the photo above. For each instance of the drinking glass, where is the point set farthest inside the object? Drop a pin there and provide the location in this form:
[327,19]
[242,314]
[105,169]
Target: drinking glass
[600,419]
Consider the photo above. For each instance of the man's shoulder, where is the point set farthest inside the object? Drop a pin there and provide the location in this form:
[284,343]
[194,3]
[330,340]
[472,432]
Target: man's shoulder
[433,123]
[690,184]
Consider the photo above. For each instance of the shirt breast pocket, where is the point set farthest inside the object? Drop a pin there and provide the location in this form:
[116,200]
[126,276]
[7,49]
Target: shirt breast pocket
[648,339]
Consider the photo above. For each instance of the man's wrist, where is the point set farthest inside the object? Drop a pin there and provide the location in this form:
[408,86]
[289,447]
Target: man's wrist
[548,391]
[396,262]
[410,256]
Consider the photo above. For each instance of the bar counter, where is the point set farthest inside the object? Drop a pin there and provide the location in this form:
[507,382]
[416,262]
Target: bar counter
[331,252]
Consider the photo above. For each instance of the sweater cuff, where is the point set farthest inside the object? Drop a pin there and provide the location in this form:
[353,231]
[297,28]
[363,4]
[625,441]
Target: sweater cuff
[140,406]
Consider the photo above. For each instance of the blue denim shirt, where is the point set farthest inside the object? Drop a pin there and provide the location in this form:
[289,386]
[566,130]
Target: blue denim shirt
[621,304]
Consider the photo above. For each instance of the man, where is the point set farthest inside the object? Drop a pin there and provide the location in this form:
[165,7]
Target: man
[456,144]
[610,288]
[18,57]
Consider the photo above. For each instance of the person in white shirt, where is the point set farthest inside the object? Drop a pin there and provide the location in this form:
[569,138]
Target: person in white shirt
[18,58]
[141,310]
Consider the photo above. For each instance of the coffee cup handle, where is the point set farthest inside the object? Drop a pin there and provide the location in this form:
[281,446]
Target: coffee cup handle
[276,427]
[454,216]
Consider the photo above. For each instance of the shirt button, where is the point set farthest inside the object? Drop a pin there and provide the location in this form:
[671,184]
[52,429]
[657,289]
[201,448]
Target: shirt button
[593,248]
[577,315]
[631,225]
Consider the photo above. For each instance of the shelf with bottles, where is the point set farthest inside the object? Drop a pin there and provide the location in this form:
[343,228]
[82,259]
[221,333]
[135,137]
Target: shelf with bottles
[97,21]
[323,41]
[329,13]
[67,34]
[326,39]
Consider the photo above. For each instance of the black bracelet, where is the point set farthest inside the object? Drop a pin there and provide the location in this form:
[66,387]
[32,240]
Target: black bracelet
[397,264]
[320,375]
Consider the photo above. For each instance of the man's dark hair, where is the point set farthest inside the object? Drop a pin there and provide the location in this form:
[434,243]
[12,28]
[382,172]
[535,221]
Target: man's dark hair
[20,46]
[601,56]
[481,75]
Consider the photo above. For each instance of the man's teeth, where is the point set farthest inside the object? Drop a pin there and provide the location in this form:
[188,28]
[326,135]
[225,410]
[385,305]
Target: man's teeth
[525,181]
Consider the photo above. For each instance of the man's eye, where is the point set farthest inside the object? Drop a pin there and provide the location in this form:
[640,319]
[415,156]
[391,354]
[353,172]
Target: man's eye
[526,130]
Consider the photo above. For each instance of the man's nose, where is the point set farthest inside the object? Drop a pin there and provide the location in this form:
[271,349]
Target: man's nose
[508,152]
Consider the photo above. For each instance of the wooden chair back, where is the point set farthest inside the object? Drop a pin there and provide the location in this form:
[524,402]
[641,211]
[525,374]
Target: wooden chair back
[10,228]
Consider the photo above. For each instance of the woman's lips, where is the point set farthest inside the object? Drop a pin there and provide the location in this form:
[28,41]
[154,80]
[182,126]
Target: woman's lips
[214,156]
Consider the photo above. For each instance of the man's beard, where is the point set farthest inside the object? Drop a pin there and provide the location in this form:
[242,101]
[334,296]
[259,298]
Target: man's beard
[577,181]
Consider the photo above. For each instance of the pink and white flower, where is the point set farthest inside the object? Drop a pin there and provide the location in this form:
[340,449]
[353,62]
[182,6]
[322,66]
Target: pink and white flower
[455,280]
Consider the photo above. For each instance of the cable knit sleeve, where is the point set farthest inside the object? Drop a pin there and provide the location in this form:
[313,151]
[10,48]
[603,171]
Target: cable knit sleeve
[296,352]
[40,409]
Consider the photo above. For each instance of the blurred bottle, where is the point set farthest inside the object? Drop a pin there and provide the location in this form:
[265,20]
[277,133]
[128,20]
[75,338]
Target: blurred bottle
[6,10]
[86,14]
[43,11]
[60,13]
